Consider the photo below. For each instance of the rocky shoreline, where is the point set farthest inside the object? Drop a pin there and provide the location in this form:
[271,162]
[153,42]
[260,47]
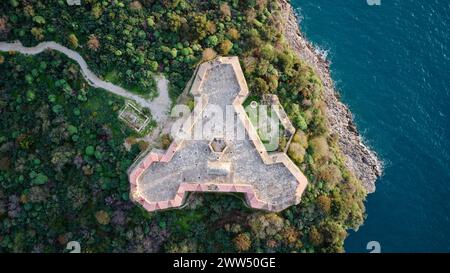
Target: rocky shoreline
[362,161]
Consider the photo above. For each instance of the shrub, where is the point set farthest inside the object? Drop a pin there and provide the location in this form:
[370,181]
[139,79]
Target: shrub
[102,217]
[141,44]
[266,225]
[268,52]
[211,27]
[208,54]
[263,67]
[233,34]
[154,66]
[40,179]
[39,19]
[90,150]
[225,10]
[38,33]
[166,140]
[273,83]
[93,42]
[329,173]
[135,6]
[261,4]
[190,103]
[212,41]
[318,122]
[151,21]
[320,150]
[261,86]
[301,138]
[175,21]
[97,11]
[73,40]
[324,204]
[3,24]
[296,152]
[285,60]
[333,235]
[300,122]
[14,3]
[290,235]
[198,26]
[315,237]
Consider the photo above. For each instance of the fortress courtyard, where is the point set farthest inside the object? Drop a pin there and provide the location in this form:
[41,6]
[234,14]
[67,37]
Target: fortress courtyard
[217,162]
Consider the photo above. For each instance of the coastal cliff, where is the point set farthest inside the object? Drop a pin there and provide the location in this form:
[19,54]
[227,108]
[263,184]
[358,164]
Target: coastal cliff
[362,161]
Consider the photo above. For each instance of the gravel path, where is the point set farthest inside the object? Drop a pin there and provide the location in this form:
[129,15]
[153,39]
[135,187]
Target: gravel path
[159,106]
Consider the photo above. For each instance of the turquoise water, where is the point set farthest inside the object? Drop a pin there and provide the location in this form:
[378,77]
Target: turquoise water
[391,64]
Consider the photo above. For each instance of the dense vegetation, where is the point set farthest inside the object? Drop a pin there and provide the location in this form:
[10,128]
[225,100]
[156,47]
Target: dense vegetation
[62,159]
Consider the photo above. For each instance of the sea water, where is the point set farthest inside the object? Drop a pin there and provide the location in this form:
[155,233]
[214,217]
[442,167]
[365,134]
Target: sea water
[391,64]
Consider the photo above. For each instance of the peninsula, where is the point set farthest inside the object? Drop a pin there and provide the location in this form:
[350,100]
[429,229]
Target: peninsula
[88,93]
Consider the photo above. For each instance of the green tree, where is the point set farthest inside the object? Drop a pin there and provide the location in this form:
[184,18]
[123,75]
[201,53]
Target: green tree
[198,26]
[225,10]
[301,138]
[300,122]
[233,34]
[14,3]
[320,149]
[208,54]
[93,42]
[97,11]
[315,237]
[324,204]
[175,21]
[268,52]
[90,150]
[102,217]
[212,41]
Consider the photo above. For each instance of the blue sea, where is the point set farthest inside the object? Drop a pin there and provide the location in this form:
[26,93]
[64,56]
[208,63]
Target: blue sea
[391,64]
